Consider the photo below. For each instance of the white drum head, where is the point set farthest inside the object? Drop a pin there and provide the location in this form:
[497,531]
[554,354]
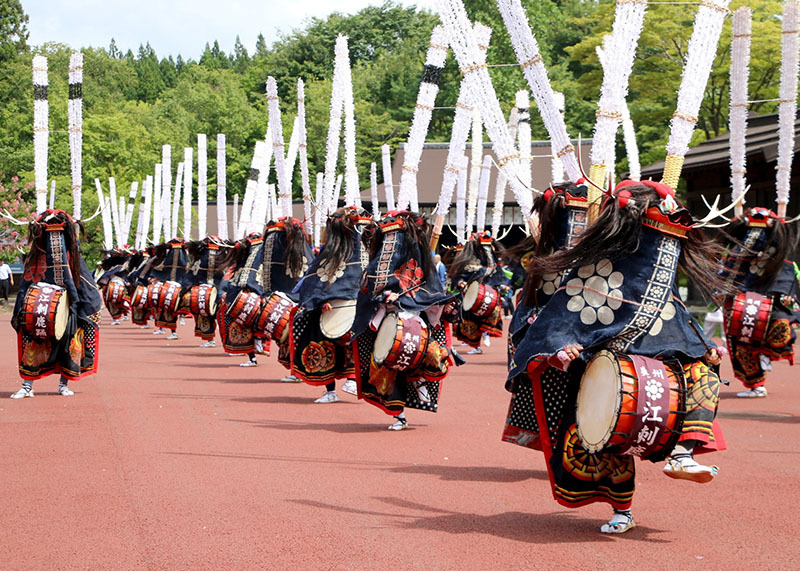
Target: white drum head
[385,338]
[471,295]
[212,301]
[339,320]
[62,314]
[599,401]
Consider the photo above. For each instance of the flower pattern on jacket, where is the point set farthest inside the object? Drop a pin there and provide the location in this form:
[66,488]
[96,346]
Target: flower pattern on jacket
[409,275]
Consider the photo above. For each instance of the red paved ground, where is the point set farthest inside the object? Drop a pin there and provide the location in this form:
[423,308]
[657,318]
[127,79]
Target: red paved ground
[174,457]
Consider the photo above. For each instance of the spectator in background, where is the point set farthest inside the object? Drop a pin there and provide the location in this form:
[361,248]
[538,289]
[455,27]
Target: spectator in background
[6,280]
[441,270]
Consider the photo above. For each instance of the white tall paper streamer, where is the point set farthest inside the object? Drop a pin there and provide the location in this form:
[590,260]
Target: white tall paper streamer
[187,192]
[352,190]
[318,214]
[52,194]
[158,217]
[388,185]
[740,72]
[105,213]
[236,215]
[482,94]
[166,190]
[462,121]
[256,165]
[556,164]
[222,185]
[302,149]
[112,192]
[137,241]
[276,124]
[337,192]
[75,112]
[530,60]
[523,103]
[176,203]
[426,98]
[148,201]
[787,108]
[40,131]
[291,153]
[476,156]
[373,184]
[701,51]
[461,200]
[202,186]
[631,148]
[341,60]
[483,196]
[129,211]
[502,181]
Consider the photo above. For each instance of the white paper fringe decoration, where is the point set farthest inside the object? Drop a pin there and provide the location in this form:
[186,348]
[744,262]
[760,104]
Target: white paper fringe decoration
[700,56]
[373,185]
[352,190]
[176,202]
[388,184]
[318,213]
[158,217]
[202,186]
[522,101]
[631,148]
[52,194]
[115,219]
[245,215]
[75,112]
[105,213]
[278,151]
[41,131]
[187,192]
[145,212]
[426,99]
[461,200]
[556,164]
[739,74]
[341,60]
[236,215]
[129,212]
[787,108]
[502,181]
[527,51]
[302,148]
[222,189]
[166,190]
[483,195]
[475,159]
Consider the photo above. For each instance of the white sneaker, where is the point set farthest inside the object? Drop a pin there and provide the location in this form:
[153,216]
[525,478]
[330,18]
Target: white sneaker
[765,362]
[400,424]
[64,390]
[183,321]
[23,393]
[350,387]
[115,322]
[290,379]
[329,396]
[475,351]
[758,392]
[173,336]
[487,341]
[250,363]
[159,331]
[259,346]
[124,318]
[144,327]
[211,343]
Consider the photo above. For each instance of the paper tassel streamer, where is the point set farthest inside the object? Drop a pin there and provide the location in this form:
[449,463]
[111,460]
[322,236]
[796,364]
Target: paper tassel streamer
[202,186]
[166,190]
[482,94]
[373,184]
[222,185]
[476,156]
[461,200]
[75,112]
[187,192]
[483,195]
[701,52]
[337,192]
[176,202]
[530,60]
[41,131]
[158,217]
[787,108]
[52,194]
[236,214]
[145,212]
[140,222]
[318,213]
[631,148]
[256,166]
[426,98]
[302,149]
[105,213]
[462,121]
[556,164]
[341,59]
[129,212]
[112,193]
[740,72]
[388,185]
[523,103]
[502,181]
[618,52]
[352,190]
[276,125]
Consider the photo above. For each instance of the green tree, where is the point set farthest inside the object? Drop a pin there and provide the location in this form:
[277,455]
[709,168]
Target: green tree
[13,29]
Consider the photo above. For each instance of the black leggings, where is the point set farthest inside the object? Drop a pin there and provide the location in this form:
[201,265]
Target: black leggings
[5,287]
[331,386]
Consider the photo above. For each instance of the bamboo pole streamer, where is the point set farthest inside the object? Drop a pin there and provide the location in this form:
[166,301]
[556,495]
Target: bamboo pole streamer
[476,157]
[461,200]
[373,185]
[556,164]
[176,203]
[166,190]
[276,124]
[274,205]
[302,149]
[523,103]
[787,108]
[388,184]
[41,131]
[408,195]
[145,214]
[294,148]
[351,189]
[483,195]
[112,192]
[122,213]
[483,95]
[739,74]
[502,181]
[158,216]
[337,192]
[702,49]
[187,193]
[105,213]
[245,215]
[462,121]
[75,112]
[616,58]
[222,187]
[202,186]
[129,213]
[631,148]
[236,214]
[52,194]
[140,220]
[341,59]
[527,51]
[318,214]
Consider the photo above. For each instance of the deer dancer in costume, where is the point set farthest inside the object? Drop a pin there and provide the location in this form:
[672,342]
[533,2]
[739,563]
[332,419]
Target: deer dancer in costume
[113,286]
[402,355]
[616,331]
[760,314]
[323,326]
[168,269]
[58,306]
[137,281]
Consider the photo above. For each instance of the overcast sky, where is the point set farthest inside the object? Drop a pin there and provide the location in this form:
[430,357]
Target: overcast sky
[176,26]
